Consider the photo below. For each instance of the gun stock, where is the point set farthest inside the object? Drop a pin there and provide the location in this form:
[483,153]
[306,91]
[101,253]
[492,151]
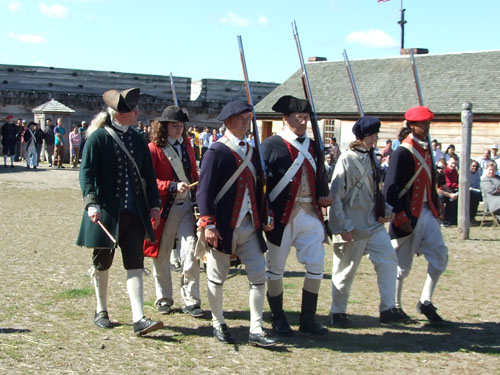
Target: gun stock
[261,170]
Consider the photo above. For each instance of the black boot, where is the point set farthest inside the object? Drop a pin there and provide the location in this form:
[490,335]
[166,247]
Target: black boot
[308,322]
[278,317]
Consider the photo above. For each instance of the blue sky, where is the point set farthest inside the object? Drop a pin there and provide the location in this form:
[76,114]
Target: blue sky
[198,38]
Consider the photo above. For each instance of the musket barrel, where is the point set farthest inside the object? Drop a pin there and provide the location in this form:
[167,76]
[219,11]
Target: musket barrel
[353,84]
[174,93]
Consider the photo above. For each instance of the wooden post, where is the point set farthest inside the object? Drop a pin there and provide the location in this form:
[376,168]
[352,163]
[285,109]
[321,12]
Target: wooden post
[464,182]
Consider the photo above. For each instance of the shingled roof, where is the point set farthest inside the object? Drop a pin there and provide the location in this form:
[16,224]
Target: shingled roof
[387,89]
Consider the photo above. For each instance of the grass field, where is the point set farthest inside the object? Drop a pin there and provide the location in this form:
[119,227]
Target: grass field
[48,301]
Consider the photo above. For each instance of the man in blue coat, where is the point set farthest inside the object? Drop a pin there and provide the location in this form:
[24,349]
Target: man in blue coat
[120,196]
[227,198]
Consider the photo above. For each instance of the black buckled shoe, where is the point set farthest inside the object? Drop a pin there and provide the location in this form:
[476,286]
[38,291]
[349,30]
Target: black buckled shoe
[340,320]
[223,335]
[430,312]
[164,307]
[146,325]
[102,320]
[194,310]
[394,315]
[262,340]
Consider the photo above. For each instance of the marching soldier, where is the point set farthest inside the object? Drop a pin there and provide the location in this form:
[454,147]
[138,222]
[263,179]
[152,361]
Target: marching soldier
[175,166]
[357,218]
[296,202]
[227,201]
[115,167]
[410,188]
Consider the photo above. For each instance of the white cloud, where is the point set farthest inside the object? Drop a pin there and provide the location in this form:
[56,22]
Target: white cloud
[54,10]
[263,20]
[27,38]
[233,19]
[15,6]
[372,38]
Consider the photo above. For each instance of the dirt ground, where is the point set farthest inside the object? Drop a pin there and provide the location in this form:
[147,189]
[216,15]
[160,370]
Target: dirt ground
[48,302]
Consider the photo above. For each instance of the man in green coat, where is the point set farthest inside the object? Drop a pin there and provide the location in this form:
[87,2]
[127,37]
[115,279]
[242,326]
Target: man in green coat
[121,201]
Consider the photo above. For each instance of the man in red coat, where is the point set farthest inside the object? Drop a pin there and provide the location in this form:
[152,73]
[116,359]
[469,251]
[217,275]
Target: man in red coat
[175,167]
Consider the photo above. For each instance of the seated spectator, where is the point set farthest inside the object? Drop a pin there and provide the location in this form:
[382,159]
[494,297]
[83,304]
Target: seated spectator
[451,182]
[450,153]
[475,188]
[490,186]
[484,161]
[436,150]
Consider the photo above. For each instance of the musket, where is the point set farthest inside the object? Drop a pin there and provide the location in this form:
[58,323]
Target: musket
[261,168]
[174,93]
[420,96]
[320,147]
[379,198]
[353,84]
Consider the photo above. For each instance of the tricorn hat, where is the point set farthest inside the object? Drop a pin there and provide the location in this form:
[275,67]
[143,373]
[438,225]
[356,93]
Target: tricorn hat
[122,101]
[290,104]
[173,113]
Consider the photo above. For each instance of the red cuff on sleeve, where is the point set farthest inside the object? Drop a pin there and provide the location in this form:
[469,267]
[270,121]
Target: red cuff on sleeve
[207,220]
[400,218]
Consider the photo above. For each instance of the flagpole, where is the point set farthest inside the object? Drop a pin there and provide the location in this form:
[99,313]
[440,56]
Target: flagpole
[402,23]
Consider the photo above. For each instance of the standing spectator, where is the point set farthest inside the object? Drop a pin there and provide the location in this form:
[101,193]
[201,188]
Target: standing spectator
[485,160]
[82,130]
[19,136]
[59,144]
[451,177]
[475,189]
[334,150]
[196,142]
[403,133]
[214,135]
[205,140]
[250,140]
[436,151]
[220,134]
[490,186]
[450,153]
[494,155]
[39,143]
[75,140]
[30,142]
[387,149]
[9,141]
[49,139]
[329,166]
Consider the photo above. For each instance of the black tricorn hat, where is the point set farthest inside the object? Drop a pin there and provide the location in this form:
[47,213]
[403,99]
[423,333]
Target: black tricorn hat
[122,101]
[290,104]
[173,113]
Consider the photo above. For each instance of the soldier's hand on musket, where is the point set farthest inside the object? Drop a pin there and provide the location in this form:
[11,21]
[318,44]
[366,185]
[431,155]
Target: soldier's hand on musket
[346,236]
[212,236]
[182,187]
[94,212]
[326,201]
[269,226]
[154,214]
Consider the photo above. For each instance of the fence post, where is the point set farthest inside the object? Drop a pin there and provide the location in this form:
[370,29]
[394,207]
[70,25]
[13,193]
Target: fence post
[464,182]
